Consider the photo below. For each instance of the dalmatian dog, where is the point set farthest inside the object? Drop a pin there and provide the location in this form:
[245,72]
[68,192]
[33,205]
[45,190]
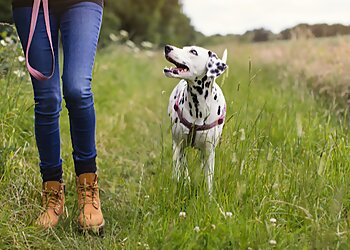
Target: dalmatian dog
[197,106]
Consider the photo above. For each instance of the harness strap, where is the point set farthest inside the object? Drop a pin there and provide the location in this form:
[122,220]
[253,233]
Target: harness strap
[35,12]
[194,127]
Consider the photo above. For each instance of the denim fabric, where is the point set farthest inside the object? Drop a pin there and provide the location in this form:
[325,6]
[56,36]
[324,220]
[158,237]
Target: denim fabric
[79,27]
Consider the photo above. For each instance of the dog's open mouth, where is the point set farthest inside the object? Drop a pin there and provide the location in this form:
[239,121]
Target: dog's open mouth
[180,68]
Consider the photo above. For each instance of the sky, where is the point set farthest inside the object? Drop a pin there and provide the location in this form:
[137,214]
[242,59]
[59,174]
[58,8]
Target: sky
[237,16]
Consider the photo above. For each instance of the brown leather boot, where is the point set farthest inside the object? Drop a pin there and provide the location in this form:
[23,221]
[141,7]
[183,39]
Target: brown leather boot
[52,198]
[90,217]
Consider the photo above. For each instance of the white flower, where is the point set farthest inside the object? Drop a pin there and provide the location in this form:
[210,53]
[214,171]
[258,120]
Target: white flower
[182,214]
[21,58]
[146,196]
[234,158]
[113,37]
[146,246]
[272,242]
[124,33]
[136,50]
[213,226]
[130,44]
[228,214]
[196,229]
[273,220]
[163,92]
[242,138]
[9,40]
[3,43]
[147,45]
[19,73]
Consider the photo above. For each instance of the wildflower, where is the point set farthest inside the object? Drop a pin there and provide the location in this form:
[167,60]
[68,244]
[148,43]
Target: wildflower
[228,214]
[139,243]
[242,138]
[196,229]
[146,196]
[272,242]
[3,43]
[113,37]
[124,33]
[9,40]
[273,220]
[147,45]
[21,59]
[136,50]
[163,92]
[234,158]
[19,73]
[130,44]
[213,226]
[182,214]
[146,246]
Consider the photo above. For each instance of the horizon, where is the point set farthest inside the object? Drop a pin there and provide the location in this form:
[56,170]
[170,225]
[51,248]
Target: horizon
[273,15]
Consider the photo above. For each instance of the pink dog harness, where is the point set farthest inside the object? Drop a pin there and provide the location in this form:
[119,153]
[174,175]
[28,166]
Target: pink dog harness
[194,127]
[35,12]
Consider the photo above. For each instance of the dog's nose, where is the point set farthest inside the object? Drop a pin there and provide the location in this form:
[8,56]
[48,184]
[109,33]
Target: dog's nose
[167,49]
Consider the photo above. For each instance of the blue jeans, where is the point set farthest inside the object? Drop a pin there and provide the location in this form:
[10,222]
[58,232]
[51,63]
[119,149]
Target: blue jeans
[80,27]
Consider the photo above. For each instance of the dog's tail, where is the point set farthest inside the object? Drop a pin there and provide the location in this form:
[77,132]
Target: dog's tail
[224,56]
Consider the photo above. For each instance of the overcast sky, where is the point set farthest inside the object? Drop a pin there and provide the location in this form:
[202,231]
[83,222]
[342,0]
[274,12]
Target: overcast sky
[237,16]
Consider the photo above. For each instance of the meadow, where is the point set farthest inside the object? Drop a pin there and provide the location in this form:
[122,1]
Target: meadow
[280,174]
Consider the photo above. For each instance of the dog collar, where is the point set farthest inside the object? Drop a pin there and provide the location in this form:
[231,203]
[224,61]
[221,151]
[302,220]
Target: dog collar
[194,127]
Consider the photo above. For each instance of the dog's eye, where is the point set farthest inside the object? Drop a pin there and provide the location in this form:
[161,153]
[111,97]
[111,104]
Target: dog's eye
[194,52]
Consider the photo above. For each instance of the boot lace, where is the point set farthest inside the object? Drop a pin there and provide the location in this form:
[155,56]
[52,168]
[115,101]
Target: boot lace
[88,193]
[52,198]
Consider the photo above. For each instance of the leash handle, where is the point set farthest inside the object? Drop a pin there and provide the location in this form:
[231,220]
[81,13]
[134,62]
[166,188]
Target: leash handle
[35,12]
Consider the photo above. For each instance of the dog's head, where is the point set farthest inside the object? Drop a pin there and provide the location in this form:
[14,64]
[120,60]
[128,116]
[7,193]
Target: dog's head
[193,61]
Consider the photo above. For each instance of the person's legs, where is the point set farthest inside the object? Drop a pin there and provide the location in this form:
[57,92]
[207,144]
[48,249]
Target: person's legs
[80,27]
[47,94]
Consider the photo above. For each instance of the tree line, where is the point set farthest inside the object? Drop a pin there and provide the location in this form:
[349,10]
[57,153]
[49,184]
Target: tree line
[157,21]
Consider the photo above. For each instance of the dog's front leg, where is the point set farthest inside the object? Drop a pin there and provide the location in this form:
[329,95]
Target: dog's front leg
[179,160]
[209,161]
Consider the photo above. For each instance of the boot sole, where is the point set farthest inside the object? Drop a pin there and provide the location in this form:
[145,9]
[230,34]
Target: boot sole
[98,230]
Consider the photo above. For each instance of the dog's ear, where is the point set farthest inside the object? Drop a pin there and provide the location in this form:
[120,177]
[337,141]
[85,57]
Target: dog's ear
[215,66]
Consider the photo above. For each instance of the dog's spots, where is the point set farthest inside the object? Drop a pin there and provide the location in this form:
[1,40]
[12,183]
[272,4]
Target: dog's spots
[209,65]
[197,112]
[191,112]
[219,108]
[200,114]
[206,94]
[174,97]
[176,120]
[199,89]
[199,82]
[186,98]
[204,78]
[190,105]
[207,84]
[215,97]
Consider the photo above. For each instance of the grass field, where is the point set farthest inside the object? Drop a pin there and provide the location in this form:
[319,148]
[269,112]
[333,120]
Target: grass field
[281,168]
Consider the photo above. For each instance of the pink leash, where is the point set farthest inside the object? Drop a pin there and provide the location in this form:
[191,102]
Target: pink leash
[36,5]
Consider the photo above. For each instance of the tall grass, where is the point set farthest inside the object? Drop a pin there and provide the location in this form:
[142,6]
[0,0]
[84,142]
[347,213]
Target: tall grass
[280,174]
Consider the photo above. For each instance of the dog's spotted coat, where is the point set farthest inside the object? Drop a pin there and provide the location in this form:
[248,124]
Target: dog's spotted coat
[200,101]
